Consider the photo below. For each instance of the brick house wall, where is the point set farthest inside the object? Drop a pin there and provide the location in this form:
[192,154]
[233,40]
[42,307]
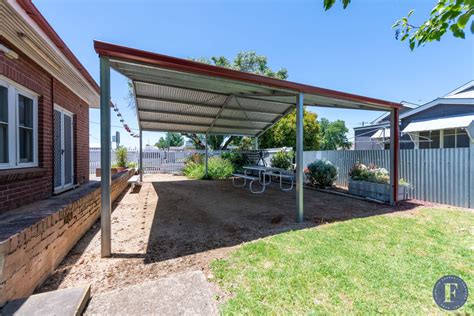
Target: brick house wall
[22,186]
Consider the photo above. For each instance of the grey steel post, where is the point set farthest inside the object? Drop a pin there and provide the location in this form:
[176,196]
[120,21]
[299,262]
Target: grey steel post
[140,157]
[256,142]
[207,154]
[394,155]
[470,131]
[299,158]
[105,179]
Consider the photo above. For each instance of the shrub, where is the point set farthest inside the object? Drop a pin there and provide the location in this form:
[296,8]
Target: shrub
[322,173]
[196,158]
[121,156]
[282,159]
[371,173]
[218,168]
[132,165]
[236,159]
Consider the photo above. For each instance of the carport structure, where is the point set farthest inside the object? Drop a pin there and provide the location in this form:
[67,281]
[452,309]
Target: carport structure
[178,95]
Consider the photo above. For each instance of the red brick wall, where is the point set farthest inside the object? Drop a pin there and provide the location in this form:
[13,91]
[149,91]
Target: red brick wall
[40,185]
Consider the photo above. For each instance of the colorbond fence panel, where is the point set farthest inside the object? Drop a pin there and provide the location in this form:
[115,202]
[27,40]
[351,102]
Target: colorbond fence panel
[436,175]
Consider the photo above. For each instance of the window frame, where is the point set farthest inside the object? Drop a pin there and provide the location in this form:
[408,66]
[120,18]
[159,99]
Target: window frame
[14,90]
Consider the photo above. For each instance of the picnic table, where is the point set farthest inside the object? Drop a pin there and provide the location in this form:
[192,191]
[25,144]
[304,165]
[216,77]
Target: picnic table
[263,173]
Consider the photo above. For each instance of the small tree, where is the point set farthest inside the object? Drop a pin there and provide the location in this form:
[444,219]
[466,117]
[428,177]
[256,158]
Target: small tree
[121,155]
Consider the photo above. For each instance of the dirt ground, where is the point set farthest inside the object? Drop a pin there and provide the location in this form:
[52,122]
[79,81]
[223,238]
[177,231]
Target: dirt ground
[175,225]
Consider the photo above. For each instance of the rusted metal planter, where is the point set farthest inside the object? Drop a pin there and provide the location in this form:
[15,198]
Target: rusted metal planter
[376,191]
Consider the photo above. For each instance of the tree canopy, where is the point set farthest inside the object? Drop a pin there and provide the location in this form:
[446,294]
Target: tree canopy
[170,140]
[333,135]
[452,15]
[283,133]
[247,61]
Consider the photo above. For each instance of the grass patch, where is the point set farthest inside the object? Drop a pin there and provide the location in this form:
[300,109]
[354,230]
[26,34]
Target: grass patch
[379,264]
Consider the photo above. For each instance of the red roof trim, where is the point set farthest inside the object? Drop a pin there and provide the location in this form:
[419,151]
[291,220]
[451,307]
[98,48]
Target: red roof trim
[36,16]
[136,55]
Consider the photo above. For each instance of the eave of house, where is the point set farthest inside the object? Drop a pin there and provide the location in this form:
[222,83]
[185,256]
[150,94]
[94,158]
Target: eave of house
[20,30]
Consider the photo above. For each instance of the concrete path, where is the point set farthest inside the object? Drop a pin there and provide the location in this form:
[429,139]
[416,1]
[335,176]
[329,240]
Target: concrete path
[67,302]
[180,294]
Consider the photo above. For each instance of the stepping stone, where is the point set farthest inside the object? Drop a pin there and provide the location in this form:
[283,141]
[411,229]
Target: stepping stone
[67,302]
[179,294]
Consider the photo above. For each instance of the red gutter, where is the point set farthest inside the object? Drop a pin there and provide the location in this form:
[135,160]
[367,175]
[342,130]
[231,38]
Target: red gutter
[39,19]
[140,56]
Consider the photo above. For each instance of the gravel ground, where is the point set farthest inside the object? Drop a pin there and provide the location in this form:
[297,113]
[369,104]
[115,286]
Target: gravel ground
[177,225]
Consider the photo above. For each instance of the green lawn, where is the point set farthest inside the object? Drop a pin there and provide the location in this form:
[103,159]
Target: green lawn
[381,264]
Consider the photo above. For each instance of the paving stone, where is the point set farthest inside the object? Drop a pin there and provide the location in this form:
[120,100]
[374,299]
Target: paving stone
[67,302]
[180,294]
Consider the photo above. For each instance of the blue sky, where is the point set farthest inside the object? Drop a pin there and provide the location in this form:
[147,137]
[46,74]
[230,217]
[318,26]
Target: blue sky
[352,50]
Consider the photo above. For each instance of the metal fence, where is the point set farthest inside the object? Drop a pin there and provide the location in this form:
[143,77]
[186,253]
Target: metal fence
[436,175]
[162,161]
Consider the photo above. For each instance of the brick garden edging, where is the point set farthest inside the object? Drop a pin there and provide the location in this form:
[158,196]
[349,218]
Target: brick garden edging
[37,237]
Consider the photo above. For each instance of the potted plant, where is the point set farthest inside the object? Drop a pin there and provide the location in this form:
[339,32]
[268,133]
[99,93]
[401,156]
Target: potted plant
[121,158]
[120,165]
[373,182]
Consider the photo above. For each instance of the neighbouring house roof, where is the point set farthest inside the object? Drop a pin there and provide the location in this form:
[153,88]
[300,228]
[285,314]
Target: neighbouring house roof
[174,94]
[406,106]
[438,124]
[25,28]
[462,95]
[381,133]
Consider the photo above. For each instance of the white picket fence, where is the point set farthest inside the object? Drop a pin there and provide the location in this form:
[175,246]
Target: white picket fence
[162,161]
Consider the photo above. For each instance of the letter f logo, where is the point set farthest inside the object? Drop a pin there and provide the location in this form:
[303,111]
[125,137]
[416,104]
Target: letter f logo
[449,291]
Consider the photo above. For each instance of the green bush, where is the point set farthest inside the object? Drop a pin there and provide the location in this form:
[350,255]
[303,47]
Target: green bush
[322,173]
[236,159]
[132,165]
[282,159]
[218,168]
[121,156]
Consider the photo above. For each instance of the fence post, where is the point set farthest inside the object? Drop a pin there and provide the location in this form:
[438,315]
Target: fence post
[470,172]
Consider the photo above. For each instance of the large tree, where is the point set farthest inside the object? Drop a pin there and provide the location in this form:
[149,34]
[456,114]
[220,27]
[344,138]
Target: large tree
[452,15]
[333,135]
[170,140]
[283,134]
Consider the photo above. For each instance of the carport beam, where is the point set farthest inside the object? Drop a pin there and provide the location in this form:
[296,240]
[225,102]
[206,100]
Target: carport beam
[299,157]
[394,154]
[207,154]
[105,178]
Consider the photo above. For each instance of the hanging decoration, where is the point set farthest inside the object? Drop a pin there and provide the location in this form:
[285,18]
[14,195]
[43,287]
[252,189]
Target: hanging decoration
[125,125]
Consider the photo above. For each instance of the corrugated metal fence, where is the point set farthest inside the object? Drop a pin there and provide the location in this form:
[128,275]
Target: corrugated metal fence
[436,175]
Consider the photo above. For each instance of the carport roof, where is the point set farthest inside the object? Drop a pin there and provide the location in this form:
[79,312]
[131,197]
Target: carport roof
[174,94]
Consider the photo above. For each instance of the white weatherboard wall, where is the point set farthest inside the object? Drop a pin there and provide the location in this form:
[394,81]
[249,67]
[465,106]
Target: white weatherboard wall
[436,175]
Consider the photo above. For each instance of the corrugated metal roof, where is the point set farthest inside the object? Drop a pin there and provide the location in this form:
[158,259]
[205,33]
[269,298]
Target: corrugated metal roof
[178,95]
[440,123]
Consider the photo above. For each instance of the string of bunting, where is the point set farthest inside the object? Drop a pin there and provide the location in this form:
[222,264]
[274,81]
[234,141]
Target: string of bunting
[125,125]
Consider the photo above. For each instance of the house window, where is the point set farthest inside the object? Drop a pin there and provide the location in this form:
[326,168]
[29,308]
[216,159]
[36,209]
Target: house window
[3,125]
[462,138]
[456,138]
[18,126]
[25,128]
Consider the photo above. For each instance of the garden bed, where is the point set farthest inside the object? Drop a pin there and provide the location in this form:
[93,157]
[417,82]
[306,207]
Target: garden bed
[376,191]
